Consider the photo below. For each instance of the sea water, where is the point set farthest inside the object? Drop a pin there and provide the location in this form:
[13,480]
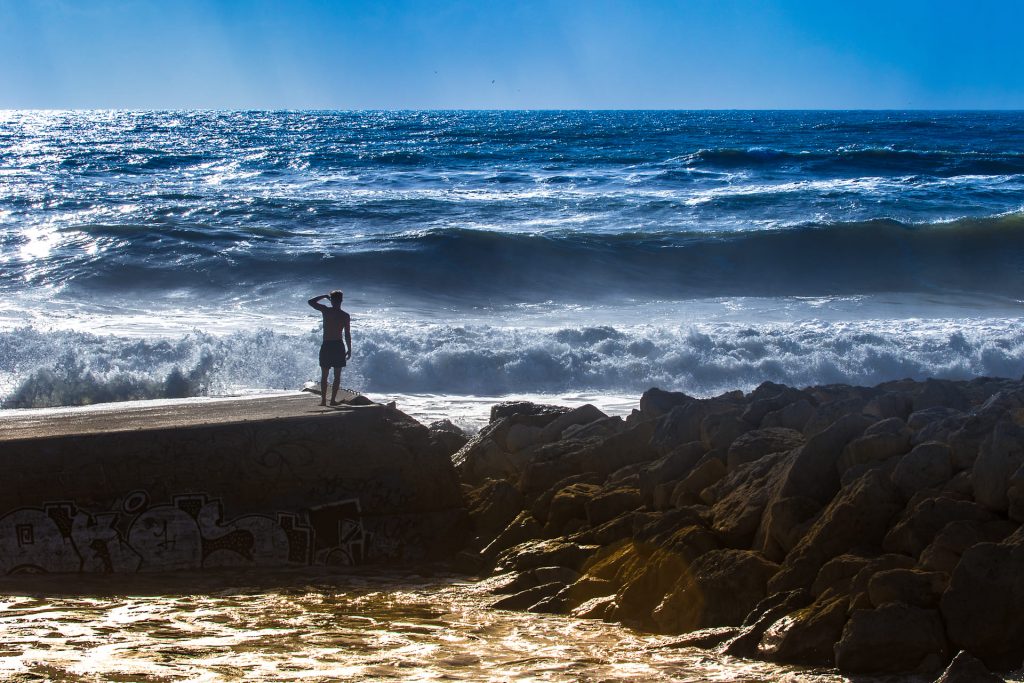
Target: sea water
[575,255]
[572,257]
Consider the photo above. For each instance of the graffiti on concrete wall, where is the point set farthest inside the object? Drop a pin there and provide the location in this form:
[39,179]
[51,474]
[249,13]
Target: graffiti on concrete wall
[189,532]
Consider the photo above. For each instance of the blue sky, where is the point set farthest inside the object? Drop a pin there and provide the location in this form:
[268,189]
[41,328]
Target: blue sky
[686,54]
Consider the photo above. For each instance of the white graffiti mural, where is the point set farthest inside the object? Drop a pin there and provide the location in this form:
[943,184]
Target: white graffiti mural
[189,532]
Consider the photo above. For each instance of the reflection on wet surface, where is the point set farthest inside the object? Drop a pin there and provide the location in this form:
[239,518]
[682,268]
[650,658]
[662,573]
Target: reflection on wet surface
[323,627]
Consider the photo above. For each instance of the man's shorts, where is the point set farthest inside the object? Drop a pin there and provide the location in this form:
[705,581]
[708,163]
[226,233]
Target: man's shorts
[332,354]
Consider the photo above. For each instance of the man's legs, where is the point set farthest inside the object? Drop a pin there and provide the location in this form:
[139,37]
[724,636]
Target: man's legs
[337,384]
[323,384]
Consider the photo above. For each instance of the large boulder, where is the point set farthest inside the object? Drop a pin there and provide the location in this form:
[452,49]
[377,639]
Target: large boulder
[813,473]
[569,503]
[761,442]
[492,507]
[607,505]
[949,544]
[806,636]
[880,442]
[708,471]
[670,468]
[858,517]
[983,605]
[890,639]
[719,589]
[656,402]
[909,586]
[739,500]
[967,669]
[925,518]
[583,415]
[793,416]
[929,465]
[1000,457]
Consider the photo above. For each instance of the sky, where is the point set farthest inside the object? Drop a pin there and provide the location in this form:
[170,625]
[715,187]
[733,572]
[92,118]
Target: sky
[504,54]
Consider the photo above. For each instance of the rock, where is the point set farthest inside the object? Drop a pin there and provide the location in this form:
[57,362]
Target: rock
[885,467]
[705,638]
[606,506]
[999,458]
[541,507]
[682,424]
[742,496]
[909,586]
[814,473]
[598,429]
[670,468]
[523,528]
[583,415]
[1015,495]
[966,669]
[889,404]
[626,476]
[880,441]
[655,402]
[529,597]
[645,576]
[568,504]
[941,393]
[794,416]
[544,413]
[702,476]
[859,516]
[630,447]
[928,465]
[521,436]
[784,523]
[493,506]
[827,412]
[836,575]
[983,604]
[719,589]
[862,579]
[598,608]
[509,583]
[761,442]
[922,418]
[944,552]
[921,522]
[546,553]
[806,636]
[719,430]
[892,638]
[764,614]
[448,437]
[773,399]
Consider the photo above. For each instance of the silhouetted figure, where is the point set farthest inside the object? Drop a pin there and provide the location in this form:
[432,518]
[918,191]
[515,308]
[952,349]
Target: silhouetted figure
[336,348]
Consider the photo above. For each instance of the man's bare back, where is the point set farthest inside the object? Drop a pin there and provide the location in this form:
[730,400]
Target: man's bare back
[336,349]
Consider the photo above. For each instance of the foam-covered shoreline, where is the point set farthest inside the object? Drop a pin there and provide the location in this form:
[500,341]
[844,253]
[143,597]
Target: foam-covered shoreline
[873,529]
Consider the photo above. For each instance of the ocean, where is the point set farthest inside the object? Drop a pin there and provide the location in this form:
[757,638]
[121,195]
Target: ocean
[571,256]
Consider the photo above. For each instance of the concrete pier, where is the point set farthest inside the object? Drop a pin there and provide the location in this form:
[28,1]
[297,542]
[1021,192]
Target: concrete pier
[202,483]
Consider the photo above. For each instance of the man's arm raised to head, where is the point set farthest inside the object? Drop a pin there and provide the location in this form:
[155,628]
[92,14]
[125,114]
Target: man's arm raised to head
[315,302]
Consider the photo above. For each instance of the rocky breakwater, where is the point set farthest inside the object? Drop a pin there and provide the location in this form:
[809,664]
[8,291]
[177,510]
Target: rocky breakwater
[870,529]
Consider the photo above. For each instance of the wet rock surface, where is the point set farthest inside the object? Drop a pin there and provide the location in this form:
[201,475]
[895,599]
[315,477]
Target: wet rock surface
[872,529]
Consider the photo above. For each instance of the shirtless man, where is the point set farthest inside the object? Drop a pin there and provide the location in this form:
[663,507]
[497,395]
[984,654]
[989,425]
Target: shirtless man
[334,353]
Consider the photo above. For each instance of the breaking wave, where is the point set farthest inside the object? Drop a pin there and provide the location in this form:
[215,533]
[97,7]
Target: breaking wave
[486,360]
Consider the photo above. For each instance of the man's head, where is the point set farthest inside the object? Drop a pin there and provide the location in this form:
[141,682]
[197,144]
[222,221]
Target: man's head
[336,297]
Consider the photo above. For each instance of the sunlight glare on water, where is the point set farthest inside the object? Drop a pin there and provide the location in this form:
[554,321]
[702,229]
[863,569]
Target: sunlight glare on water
[328,627]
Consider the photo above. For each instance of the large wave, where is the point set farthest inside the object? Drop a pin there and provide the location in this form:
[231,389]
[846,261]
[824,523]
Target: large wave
[38,368]
[972,255]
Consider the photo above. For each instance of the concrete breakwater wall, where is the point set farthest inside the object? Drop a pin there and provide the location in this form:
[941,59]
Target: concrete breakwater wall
[258,482]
